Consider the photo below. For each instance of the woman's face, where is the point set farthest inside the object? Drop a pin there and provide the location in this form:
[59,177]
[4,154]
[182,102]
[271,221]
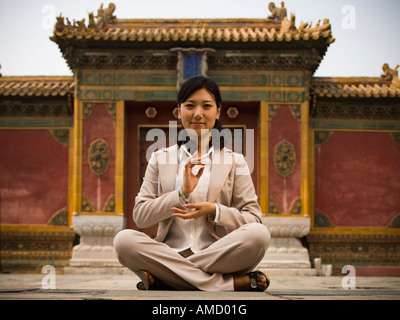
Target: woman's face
[199,111]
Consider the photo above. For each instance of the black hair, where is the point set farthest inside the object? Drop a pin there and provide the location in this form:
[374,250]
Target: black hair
[196,83]
[188,88]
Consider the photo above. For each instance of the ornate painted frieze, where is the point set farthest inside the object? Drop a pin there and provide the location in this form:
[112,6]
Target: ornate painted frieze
[31,250]
[269,79]
[123,78]
[120,61]
[37,109]
[284,158]
[355,249]
[358,111]
[255,62]
[136,94]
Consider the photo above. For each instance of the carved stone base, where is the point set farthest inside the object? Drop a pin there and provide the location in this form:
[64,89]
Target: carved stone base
[31,248]
[285,254]
[95,253]
[370,252]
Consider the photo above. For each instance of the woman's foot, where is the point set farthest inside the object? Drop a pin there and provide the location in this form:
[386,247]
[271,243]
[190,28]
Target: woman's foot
[243,282]
[154,283]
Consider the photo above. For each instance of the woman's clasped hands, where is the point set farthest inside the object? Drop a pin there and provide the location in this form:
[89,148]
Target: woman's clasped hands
[190,181]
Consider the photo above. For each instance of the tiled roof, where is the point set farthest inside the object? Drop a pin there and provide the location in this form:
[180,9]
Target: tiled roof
[341,87]
[203,30]
[36,86]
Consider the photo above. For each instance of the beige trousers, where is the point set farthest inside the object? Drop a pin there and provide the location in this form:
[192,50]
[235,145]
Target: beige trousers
[211,269]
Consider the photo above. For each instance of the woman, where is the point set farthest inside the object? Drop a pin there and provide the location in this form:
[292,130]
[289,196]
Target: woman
[203,199]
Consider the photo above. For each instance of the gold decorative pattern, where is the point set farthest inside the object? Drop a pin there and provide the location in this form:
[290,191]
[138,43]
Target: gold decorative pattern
[99,156]
[232,112]
[322,137]
[296,207]
[151,112]
[396,137]
[28,248]
[60,218]
[111,109]
[273,206]
[296,111]
[367,248]
[284,158]
[61,136]
[395,223]
[272,111]
[85,205]
[87,109]
[110,205]
[175,112]
[321,220]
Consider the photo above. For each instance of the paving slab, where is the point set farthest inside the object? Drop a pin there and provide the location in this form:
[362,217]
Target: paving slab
[123,287]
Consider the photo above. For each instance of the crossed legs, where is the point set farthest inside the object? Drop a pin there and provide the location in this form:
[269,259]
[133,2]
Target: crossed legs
[212,269]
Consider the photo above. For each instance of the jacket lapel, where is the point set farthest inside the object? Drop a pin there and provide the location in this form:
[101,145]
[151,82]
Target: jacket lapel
[222,163]
[168,167]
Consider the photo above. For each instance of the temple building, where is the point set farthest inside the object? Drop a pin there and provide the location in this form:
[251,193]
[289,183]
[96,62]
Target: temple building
[325,159]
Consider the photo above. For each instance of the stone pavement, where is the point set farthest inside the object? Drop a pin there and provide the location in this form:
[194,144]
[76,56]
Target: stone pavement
[123,287]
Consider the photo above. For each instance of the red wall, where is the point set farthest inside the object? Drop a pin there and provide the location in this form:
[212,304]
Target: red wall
[97,189]
[357,179]
[285,191]
[33,176]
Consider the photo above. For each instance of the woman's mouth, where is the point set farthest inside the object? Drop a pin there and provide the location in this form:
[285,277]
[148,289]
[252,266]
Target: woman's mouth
[197,124]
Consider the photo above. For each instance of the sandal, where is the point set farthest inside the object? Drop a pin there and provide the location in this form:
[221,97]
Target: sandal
[145,283]
[253,280]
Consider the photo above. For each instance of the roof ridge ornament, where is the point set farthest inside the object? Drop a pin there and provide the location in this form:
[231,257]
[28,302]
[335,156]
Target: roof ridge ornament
[388,73]
[391,75]
[104,17]
[277,14]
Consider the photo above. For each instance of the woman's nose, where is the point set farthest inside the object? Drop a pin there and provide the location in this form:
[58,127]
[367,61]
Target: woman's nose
[198,112]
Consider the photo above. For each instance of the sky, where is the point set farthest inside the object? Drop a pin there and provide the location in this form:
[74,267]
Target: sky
[367,32]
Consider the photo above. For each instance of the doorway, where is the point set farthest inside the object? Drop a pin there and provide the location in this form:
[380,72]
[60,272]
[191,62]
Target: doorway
[141,117]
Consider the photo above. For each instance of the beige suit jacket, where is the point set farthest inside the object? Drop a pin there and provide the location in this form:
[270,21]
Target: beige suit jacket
[231,187]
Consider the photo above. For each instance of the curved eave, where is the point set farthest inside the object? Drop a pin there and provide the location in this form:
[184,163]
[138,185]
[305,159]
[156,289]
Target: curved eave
[36,86]
[353,88]
[178,32]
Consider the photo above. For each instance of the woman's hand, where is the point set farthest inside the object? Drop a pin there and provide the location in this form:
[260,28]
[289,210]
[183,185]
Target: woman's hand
[191,180]
[200,209]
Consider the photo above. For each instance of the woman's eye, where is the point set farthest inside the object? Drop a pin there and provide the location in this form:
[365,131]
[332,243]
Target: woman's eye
[207,106]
